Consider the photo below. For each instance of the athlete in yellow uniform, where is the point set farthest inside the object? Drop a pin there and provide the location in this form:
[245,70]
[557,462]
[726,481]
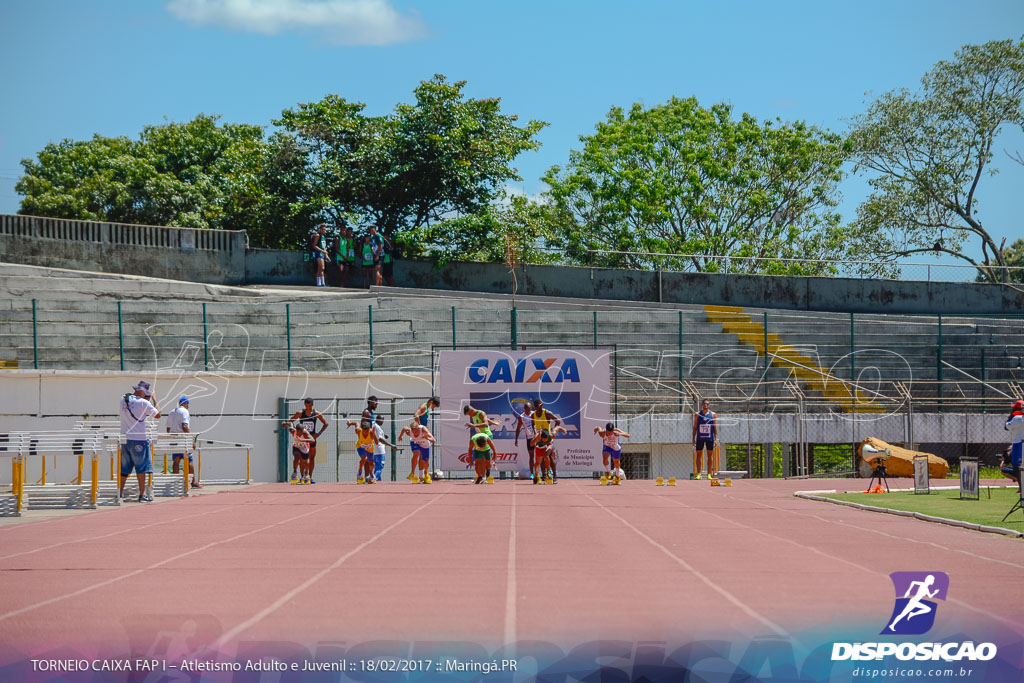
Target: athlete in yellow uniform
[366,440]
[545,420]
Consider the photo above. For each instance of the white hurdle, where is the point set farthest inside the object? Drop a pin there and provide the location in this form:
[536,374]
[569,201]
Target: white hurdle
[27,446]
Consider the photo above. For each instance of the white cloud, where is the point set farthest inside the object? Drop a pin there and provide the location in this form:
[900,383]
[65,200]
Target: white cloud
[343,22]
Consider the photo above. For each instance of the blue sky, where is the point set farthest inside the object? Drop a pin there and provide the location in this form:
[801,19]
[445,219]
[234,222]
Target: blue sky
[69,69]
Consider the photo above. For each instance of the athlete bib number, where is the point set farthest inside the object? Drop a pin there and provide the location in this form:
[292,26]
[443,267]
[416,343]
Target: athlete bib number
[704,430]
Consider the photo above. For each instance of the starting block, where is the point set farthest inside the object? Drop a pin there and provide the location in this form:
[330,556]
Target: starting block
[660,481]
[715,482]
[727,482]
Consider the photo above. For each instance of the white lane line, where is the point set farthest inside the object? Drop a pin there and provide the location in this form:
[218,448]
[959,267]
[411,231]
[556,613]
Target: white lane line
[879,532]
[693,570]
[955,601]
[510,585]
[113,533]
[155,565]
[290,595]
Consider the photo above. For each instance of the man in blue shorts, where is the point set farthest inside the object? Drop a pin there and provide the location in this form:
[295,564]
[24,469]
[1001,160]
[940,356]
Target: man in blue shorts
[421,439]
[135,409]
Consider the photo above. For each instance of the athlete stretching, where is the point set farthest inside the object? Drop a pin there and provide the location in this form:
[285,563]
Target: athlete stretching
[421,438]
[307,419]
[612,449]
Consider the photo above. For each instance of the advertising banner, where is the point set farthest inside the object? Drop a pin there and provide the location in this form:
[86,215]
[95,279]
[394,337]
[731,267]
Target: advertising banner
[573,386]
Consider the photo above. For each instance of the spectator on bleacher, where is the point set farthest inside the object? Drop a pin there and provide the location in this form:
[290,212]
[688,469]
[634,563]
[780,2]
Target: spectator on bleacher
[318,250]
[135,409]
[1015,425]
[377,244]
[366,253]
[351,264]
[388,263]
[178,422]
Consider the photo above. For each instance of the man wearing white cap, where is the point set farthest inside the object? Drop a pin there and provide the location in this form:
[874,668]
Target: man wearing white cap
[135,409]
[178,422]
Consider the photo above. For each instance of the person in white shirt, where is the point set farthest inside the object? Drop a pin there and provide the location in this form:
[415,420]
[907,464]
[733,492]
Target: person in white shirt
[178,422]
[135,409]
[378,450]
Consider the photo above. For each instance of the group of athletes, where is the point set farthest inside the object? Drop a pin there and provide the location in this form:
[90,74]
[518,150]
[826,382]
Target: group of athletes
[538,425]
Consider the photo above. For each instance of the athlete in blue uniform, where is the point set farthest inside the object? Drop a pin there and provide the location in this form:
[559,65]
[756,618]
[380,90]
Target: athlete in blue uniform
[705,438]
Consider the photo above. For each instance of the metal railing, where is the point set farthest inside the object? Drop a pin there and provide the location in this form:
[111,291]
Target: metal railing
[886,270]
[127,234]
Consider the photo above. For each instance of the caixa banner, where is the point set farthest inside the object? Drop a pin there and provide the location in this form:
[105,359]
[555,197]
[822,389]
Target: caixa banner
[573,386]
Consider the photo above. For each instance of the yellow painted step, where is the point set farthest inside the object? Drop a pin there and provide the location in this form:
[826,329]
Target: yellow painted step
[8,365]
[730,309]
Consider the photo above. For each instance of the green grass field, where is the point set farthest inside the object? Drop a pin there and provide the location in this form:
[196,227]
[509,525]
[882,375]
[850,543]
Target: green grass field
[947,503]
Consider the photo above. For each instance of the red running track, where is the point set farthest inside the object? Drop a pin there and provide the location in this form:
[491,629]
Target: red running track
[575,562]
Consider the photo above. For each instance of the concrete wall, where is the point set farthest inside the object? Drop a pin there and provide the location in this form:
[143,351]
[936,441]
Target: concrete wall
[191,255]
[210,256]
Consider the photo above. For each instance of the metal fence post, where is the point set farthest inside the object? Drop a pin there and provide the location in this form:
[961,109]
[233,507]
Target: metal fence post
[35,338]
[595,329]
[984,408]
[394,439]
[767,361]
[120,333]
[514,325]
[370,310]
[938,362]
[206,342]
[454,343]
[282,441]
[679,361]
[288,332]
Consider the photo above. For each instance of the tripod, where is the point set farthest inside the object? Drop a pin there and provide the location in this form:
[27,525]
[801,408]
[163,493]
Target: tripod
[1019,505]
[878,473]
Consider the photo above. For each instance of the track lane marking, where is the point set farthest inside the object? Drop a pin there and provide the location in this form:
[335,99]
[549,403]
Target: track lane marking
[961,603]
[778,630]
[155,565]
[287,597]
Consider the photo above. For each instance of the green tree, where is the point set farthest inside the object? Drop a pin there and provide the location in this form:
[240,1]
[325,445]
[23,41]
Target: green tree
[199,174]
[442,157]
[682,179]
[929,151]
[512,230]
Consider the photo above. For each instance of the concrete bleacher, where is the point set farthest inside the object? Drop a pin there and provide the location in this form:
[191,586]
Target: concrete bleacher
[160,323]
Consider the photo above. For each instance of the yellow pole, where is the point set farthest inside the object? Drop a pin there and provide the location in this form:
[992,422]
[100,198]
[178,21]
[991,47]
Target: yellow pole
[248,476]
[185,470]
[14,475]
[165,463]
[113,476]
[199,464]
[42,480]
[20,481]
[81,467]
[94,486]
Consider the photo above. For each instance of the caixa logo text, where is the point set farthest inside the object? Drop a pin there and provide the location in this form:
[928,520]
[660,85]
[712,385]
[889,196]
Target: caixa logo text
[524,370]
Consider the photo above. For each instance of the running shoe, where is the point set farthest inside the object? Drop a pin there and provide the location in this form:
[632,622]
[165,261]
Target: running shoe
[427,479]
[145,499]
[700,475]
[360,480]
[412,477]
[617,481]
[478,480]
[490,480]
[197,485]
[295,478]
[311,480]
